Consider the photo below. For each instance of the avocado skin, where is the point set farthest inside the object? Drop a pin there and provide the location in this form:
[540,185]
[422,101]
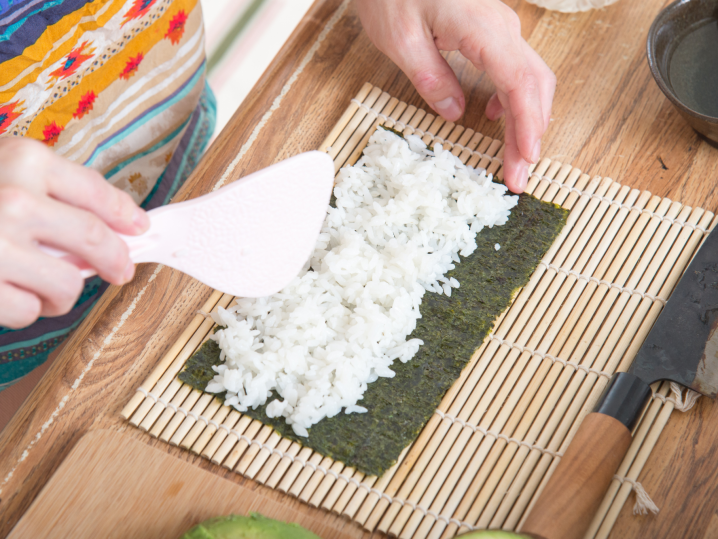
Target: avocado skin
[254,526]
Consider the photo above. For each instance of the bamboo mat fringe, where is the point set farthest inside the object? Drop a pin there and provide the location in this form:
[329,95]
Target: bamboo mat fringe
[644,504]
[499,432]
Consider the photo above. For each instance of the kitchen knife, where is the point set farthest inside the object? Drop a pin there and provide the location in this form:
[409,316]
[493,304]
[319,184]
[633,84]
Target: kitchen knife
[681,347]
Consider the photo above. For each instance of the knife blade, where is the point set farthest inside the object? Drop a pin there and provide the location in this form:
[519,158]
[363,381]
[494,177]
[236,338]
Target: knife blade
[682,347]
[683,343]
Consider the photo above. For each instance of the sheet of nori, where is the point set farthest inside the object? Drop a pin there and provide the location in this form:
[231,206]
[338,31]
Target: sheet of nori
[452,328]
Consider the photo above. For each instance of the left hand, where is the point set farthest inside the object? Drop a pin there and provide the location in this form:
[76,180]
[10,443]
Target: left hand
[47,200]
[488,33]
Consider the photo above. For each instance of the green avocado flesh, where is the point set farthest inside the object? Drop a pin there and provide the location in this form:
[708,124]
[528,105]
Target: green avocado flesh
[452,328]
[254,526]
[491,534]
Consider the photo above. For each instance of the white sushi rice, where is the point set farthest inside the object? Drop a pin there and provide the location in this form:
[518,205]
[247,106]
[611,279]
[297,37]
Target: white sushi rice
[403,216]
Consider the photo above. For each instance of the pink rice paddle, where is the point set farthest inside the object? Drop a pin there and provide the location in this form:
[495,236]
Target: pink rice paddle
[249,238]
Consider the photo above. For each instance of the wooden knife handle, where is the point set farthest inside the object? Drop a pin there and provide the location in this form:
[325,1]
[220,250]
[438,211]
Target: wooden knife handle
[574,492]
[580,481]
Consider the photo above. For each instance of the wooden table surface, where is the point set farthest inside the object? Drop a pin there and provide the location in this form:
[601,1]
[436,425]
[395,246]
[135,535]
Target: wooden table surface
[609,119]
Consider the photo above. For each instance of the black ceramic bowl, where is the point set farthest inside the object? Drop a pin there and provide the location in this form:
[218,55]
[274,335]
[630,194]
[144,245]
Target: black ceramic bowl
[682,52]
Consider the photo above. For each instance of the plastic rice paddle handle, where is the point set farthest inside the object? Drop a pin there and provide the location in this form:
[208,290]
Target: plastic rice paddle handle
[249,238]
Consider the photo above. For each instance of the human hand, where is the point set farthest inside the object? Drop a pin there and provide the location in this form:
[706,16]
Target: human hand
[487,33]
[47,199]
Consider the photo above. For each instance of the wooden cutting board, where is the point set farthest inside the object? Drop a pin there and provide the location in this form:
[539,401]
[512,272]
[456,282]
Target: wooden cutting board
[112,485]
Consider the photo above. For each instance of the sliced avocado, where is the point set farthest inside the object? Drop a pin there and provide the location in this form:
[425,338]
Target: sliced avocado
[491,534]
[254,526]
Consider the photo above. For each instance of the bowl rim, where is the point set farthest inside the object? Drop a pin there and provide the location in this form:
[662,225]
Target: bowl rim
[658,23]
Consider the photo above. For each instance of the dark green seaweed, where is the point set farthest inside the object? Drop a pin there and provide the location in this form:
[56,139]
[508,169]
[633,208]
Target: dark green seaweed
[452,328]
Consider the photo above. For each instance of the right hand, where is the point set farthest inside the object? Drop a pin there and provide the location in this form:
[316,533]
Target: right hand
[488,33]
[46,199]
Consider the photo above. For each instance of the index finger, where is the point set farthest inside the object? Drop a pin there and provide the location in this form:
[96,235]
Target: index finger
[502,55]
[29,164]
[87,189]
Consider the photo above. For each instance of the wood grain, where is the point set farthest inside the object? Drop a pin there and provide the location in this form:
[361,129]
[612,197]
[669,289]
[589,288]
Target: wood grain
[609,119]
[129,489]
[580,480]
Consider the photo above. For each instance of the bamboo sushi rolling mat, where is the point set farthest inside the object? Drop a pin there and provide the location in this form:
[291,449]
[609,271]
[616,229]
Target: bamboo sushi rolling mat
[500,430]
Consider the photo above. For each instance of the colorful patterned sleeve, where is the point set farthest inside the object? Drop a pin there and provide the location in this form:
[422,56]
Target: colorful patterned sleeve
[115,85]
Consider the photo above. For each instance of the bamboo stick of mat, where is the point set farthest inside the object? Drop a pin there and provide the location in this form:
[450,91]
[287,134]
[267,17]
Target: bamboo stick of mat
[520,433]
[576,379]
[138,398]
[521,391]
[578,374]
[168,385]
[605,226]
[614,499]
[449,442]
[632,330]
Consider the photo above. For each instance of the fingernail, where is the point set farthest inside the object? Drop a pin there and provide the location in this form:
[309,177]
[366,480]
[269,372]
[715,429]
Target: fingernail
[536,153]
[129,272]
[524,178]
[140,219]
[449,108]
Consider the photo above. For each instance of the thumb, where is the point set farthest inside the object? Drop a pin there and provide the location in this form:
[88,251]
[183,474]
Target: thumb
[432,77]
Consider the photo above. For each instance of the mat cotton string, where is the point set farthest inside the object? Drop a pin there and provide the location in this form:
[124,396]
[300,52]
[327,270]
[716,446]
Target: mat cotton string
[629,207]
[554,359]
[416,130]
[621,289]
[497,435]
[644,503]
[677,399]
